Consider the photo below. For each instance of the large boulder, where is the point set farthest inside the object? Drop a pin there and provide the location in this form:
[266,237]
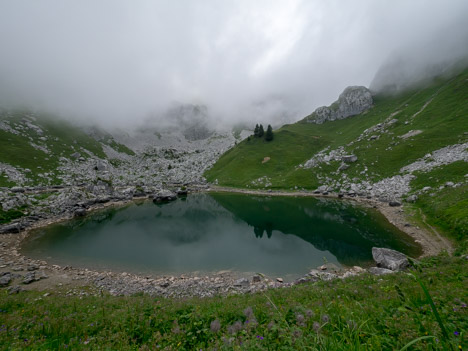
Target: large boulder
[11,228]
[389,259]
[164,196]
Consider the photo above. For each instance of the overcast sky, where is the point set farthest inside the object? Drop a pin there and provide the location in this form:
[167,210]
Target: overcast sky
[117,61]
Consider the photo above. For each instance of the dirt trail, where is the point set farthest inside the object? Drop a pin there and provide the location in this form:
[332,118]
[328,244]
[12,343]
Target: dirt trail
[444,241]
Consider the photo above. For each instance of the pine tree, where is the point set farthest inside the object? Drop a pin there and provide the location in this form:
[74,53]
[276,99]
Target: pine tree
[269,134]
[256,130]
[261,131]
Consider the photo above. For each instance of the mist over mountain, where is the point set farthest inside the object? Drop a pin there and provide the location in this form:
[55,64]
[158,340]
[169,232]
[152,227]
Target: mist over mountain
[115,63]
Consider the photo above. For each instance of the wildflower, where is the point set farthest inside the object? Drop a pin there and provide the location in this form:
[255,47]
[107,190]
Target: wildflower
[251,323]
[316,327]
[297,334]
[215,326]
[248,312]
[456,333]
[300,320]
[309,313]
[260,337]
[236,327]
[325,318]
[176,328]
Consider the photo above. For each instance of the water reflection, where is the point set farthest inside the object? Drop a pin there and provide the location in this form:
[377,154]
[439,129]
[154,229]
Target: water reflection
[209,232]
[347,231]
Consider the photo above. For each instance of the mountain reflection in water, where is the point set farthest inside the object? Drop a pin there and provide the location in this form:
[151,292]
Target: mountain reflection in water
[212,232]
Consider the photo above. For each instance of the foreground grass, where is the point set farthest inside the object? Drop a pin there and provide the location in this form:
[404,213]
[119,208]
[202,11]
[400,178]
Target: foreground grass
[361,313]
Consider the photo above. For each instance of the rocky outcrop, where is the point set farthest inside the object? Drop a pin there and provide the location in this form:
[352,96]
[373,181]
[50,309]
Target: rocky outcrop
[389,259]
[352,101]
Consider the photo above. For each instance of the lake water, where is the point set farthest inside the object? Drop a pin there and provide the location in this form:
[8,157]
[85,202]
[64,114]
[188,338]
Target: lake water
[277,236]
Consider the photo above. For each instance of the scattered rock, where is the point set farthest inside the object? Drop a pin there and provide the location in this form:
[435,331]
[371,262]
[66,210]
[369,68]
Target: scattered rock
[17,189]
[349,158]
[394,204]
[279,280]
[242,282]
[14,290]
[5,279]
[29,278]
[75,155]
[412,198]
[380,271]
[256,278]
[343,167]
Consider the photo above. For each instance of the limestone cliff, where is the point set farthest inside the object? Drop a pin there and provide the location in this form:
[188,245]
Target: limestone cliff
[352,101]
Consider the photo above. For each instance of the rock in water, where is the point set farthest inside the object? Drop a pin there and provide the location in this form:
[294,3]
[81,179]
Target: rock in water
[164,196]
[80,212]
[389,259]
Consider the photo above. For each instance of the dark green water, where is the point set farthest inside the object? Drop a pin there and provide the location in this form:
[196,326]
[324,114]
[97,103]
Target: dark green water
[278,236]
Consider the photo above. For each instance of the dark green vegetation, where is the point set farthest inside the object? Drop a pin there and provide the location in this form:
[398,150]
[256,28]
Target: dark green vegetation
[8,216]
[360,313]
[56,138]
[439,111]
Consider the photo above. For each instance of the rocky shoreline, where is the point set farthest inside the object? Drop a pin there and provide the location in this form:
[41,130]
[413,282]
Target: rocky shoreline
[18,272]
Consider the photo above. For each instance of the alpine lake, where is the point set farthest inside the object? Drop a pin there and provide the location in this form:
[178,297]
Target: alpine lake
[277,236]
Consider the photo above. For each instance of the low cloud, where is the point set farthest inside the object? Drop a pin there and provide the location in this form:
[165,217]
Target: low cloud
[117,62]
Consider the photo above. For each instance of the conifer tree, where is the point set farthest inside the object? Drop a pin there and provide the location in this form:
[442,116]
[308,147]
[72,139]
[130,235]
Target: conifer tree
[256,130]
[261,131]
[269,134]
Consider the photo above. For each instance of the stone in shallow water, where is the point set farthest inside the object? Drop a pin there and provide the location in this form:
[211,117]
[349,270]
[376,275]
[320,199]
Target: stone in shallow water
[164,196]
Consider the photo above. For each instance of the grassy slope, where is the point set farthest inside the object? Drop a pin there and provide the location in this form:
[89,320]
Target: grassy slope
[361,313]
[443,122]
[63,139]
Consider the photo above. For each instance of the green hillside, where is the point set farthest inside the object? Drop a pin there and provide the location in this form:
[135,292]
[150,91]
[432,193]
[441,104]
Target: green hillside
[35,142]
[439,111]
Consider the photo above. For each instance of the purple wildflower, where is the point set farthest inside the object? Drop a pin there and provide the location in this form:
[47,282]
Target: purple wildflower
[215,326]
[456,333]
